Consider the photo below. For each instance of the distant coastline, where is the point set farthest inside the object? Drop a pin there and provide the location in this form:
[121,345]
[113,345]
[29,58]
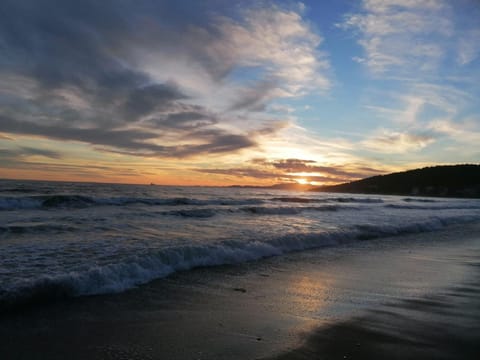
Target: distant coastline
[461,181]
[442,181]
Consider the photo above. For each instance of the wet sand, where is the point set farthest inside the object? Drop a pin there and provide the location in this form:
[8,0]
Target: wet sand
[415,296]
[445,325]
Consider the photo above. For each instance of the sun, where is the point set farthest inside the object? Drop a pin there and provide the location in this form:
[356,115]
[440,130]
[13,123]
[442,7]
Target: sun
[302,181]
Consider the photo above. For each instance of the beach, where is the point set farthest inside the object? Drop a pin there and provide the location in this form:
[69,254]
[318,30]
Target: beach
[409,296]
[239,180]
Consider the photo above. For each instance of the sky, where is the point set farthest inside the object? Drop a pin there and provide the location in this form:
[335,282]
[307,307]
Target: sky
[223,92]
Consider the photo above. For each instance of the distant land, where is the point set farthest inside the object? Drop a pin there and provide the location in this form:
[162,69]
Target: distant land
[447,181]
[444,181]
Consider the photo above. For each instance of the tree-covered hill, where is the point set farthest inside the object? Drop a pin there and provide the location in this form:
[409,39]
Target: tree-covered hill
[451,181]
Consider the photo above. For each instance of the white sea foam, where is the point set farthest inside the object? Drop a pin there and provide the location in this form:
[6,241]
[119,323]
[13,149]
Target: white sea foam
[140,269]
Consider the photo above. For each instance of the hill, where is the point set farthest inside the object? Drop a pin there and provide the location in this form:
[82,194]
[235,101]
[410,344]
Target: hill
[449,181]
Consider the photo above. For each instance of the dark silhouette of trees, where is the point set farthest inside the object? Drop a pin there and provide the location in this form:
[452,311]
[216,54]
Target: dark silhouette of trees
[451,181]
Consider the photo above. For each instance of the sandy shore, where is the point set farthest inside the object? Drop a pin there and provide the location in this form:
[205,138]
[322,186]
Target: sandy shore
[415,296]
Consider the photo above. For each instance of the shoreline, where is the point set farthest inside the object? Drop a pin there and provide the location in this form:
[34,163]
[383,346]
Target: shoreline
[445,325]
[299,304]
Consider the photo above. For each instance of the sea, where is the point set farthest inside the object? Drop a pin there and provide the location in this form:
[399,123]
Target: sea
[63,239]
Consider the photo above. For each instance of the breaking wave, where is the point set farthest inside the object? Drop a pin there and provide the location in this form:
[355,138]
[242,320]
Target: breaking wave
[435,207]
[46,202]
[254,210]
[140,269]
[286,210]
[421,200]
[80,201]
[328,200]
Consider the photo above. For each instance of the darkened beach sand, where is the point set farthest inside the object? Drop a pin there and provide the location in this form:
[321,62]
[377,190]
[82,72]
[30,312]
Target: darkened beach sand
[405,297]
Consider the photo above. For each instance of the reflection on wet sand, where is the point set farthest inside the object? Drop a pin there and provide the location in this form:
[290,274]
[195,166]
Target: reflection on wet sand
[444,325]
[310,296]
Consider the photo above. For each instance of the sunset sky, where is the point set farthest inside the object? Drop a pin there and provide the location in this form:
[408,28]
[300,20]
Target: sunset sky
[225,92]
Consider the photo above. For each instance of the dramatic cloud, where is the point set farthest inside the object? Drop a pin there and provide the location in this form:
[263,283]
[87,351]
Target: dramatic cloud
[289,170]
[150,99]
[192,91]
[254,98]
[56,170]
[252,173]
[30,151]
[310,166]
[86,72]
[277,39]
[20,157]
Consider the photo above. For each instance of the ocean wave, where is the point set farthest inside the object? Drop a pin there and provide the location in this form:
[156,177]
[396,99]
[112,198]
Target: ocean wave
[200,205]
[120,201]
[294,199]
[19,190]
[13,203]
[193,213]
[255,210]
[356,200]
[81,201]
[436,207]
[419,200]
[76,201]
[140,269]
[35,228]
[328,200]
[286,210]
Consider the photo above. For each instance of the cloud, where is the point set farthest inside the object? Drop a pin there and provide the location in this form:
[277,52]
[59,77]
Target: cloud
[5,137]
[469,47]
[25,150]
[401,35]
[278,177]
[149,99]
[465,132]
[273,38]
[283,109]
[413,107]
[244,172]
[254,98]
[138,142]
[196,118]
[392,142]
[59,169]
[311,166]
[218,142]
[289,170]
[118,76]
[18,154]
[419,53]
